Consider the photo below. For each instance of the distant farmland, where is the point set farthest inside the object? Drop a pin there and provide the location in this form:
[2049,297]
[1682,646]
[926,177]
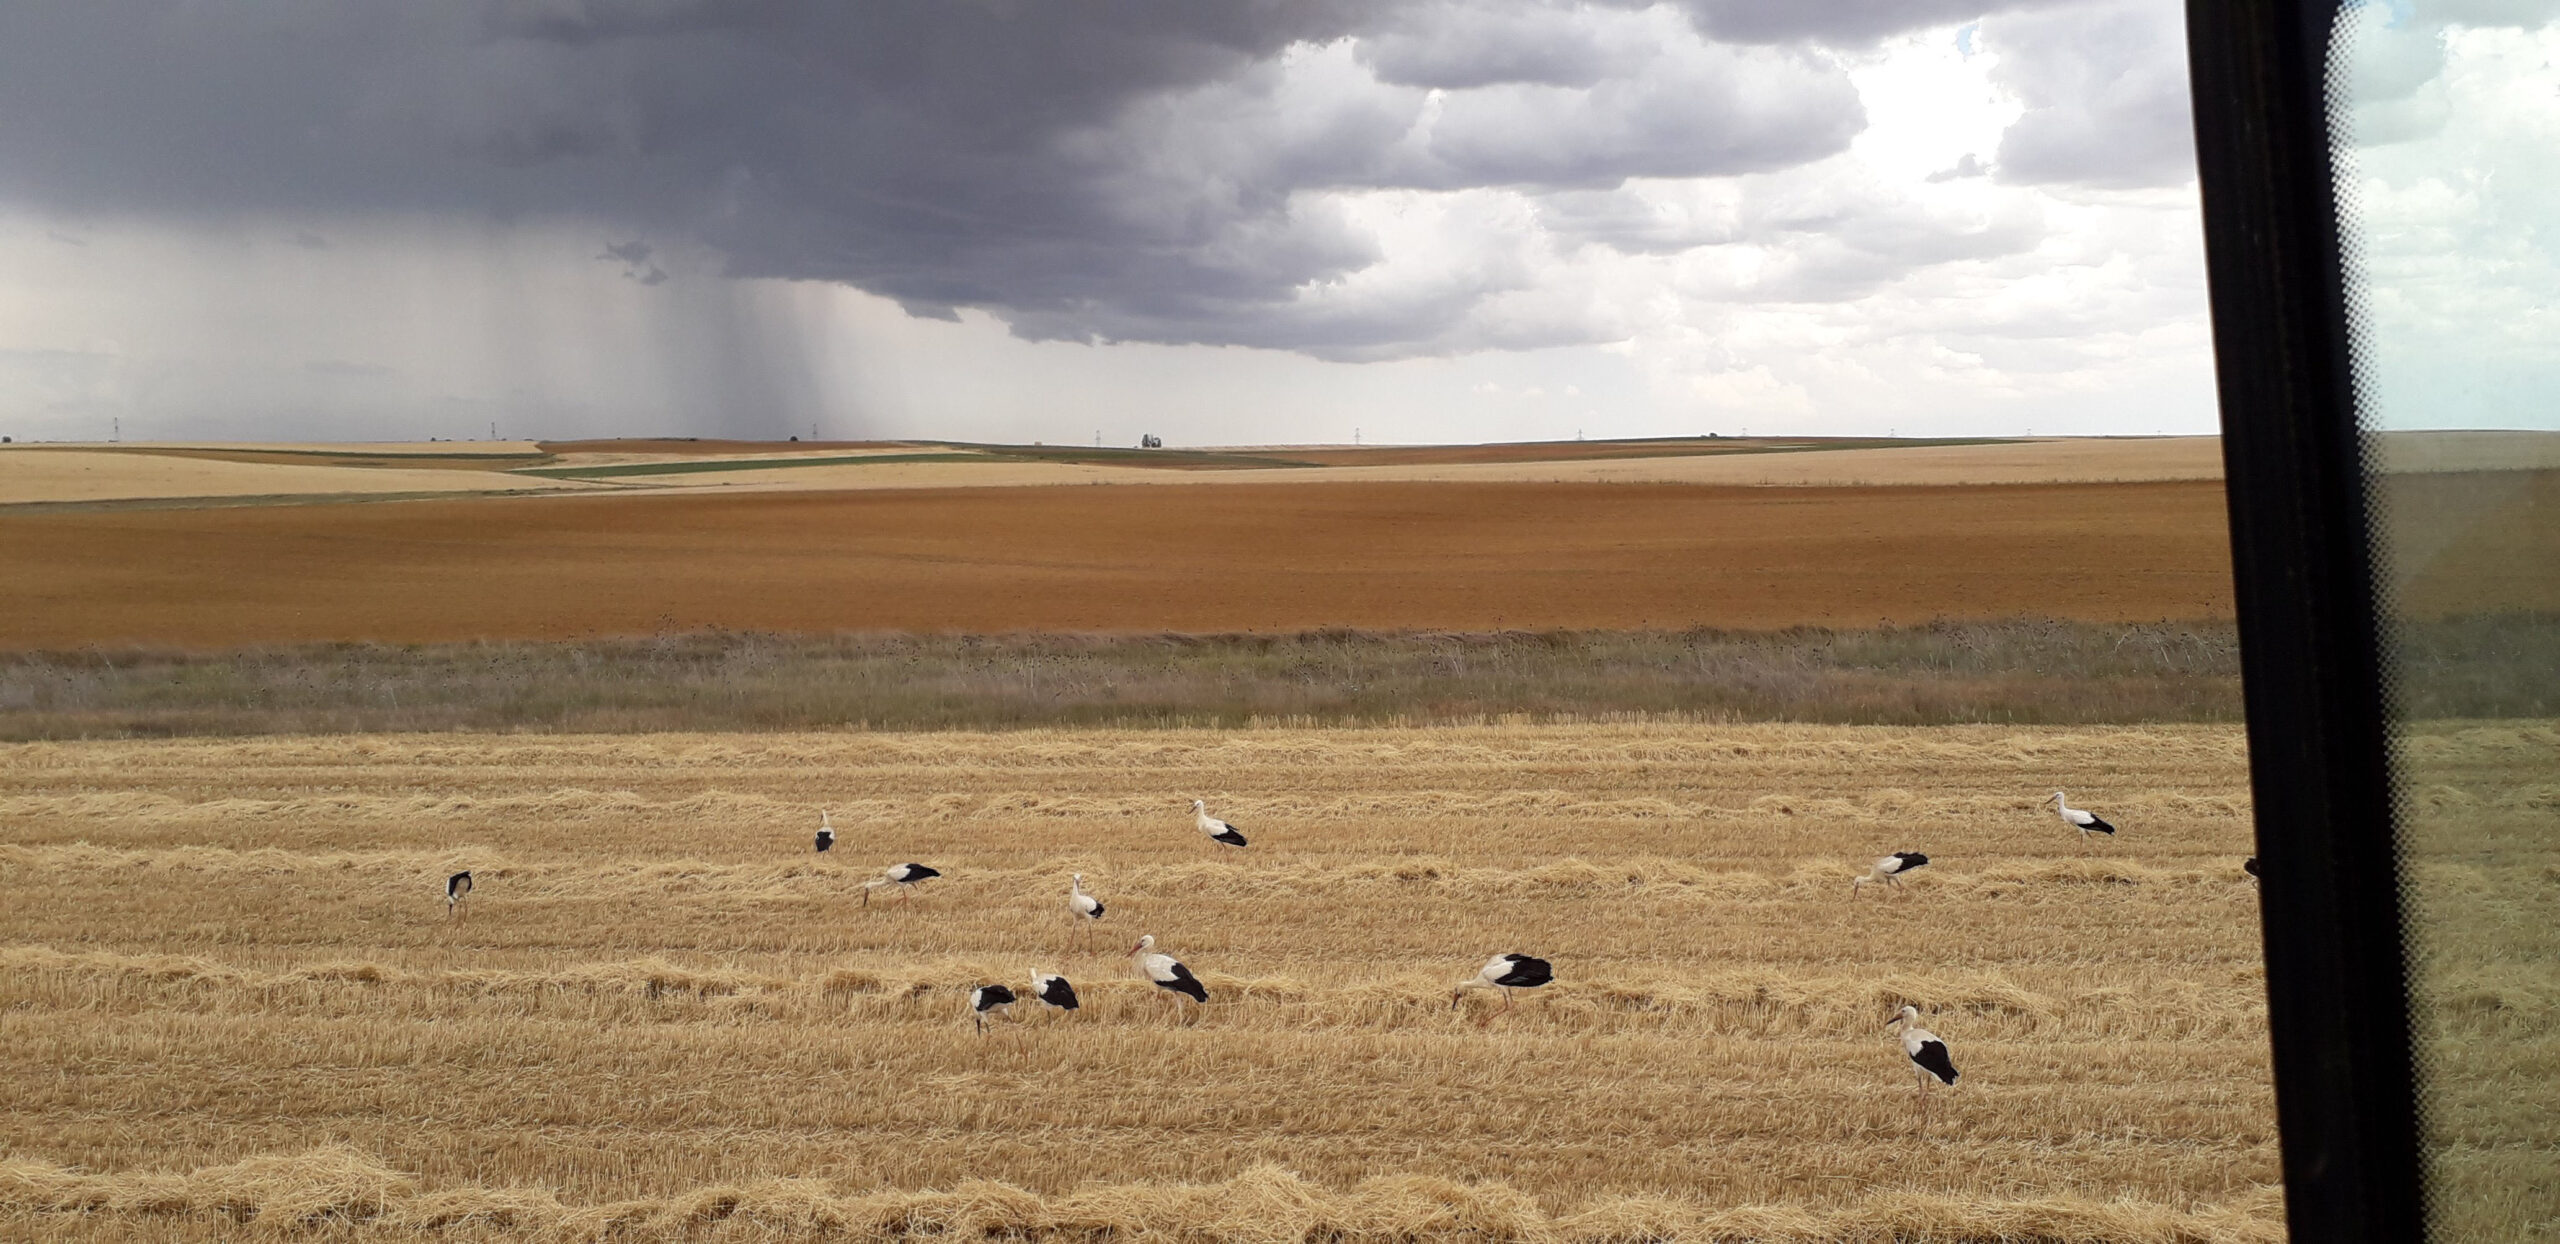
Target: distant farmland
[1200,558]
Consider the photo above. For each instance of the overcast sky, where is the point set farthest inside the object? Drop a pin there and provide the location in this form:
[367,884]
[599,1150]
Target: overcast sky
[1246,222]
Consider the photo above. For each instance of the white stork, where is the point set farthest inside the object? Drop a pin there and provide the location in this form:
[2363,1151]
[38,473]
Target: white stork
[1053,991]
[826,832]
[2081,819]
[1928,1054]
[456,888]
[1506,973]
[1889,870]
[904,876]
[990,998]
[1167,973]
[1218,831]
[1086,907]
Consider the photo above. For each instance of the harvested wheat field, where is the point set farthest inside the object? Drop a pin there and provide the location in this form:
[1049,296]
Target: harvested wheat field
[1204,559]
[230,991]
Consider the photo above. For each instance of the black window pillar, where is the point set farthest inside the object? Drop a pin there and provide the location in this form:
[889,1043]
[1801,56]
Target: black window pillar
[2337,996]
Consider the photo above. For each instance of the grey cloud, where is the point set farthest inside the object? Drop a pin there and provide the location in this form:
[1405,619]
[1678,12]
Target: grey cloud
[1085,169]
[1860,253]
[634,258]
[1721,112]
[2105,88]
[1630,223]
[1449,47]
[1840,23]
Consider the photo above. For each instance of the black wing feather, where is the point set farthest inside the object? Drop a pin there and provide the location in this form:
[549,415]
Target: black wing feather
[825,840]
[2097,826]
[1228,836]
[1185,983]
[992,996]
[1526,973]
[1933,1059]
[1058,993]
[918,872]
[2250,866]
[1910,860]
[453,885]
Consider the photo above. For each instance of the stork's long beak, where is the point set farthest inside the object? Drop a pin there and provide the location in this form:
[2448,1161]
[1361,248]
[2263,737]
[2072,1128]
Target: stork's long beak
[1133,949]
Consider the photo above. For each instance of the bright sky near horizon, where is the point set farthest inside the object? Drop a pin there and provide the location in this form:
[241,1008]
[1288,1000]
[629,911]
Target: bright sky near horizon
[1447,220]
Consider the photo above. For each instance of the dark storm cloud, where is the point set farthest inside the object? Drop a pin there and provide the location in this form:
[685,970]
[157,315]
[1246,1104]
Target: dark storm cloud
[1138,169]
[2105,87]
[1453,47]
[1839,23]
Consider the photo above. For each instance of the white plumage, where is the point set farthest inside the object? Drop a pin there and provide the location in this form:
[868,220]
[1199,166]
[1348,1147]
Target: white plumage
[904,876]
[1088,909]
[1505,972]
[1889,870]
[1219,831]
[2081,819]
[1928,1055]
[1167,973]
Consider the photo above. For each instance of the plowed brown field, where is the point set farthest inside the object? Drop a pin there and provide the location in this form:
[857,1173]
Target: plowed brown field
[1181,558]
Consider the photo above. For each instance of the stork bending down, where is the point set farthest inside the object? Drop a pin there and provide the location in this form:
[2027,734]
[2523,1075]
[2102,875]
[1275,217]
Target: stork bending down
[1889,870]
[904,876]
[1505,973]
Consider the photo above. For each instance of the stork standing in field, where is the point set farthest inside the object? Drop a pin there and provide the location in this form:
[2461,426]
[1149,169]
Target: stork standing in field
[1506,973]
[1086,907]
[1889,870]
[456,888]
[826,833]
[1053,991]
[1929,1059]
[1167,973]
[2081,819]
[1218,831]
[989,998]
[904,876]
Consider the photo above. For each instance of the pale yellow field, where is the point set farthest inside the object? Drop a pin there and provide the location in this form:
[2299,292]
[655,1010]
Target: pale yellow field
[228,989]
[38,474]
